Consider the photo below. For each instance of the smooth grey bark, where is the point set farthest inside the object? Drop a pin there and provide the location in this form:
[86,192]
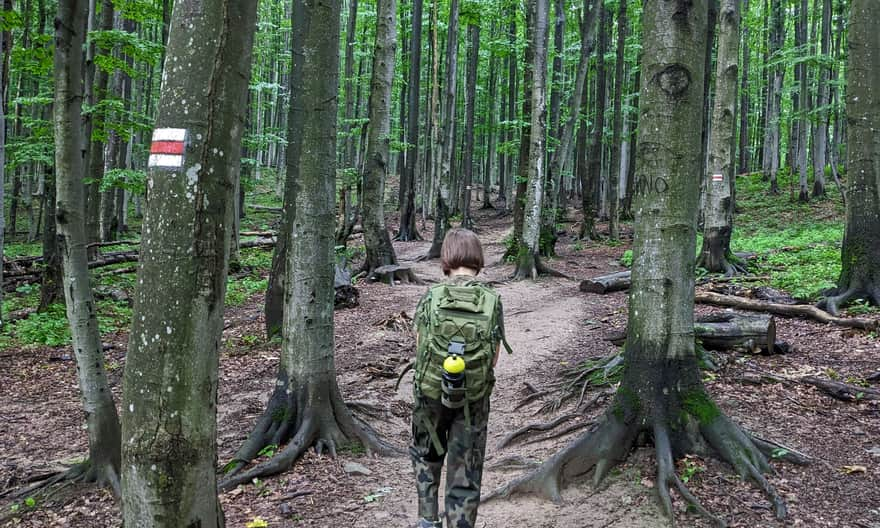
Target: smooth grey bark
[379,250]
[491,132]
[820,138]
[96,150]
[613,179]
[593,172]
[408,231]
[860,255]
[3,82]
[561,155]
[306,408]
[715,254]
[101,419]
[170,382]
[745,102]
[470,103]
[661,395]
[804,99]
[350,29]
[556,76]
[447,144]
[528,261]
[774,96]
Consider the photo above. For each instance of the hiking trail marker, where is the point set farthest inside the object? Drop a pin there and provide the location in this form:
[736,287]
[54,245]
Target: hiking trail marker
[167,147]
[717,177]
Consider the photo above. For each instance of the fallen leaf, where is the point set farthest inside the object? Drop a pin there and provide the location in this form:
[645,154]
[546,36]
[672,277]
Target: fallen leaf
[849,470]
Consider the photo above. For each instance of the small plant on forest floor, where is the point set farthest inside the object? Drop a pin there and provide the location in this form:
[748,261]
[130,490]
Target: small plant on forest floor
[578,246]
[249,339]
[268,451]
[689,467]
[352,448]
[238,291]
[779,452]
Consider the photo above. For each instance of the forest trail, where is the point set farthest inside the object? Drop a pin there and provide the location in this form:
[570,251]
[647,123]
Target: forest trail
[542,319]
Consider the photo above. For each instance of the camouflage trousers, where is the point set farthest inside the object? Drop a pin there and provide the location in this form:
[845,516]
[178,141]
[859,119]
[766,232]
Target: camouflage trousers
[464,443]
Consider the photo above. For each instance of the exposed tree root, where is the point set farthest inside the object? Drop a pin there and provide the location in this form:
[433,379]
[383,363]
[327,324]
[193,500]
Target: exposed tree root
[689,423]
[514,462]
[43,486]
[391,274]
[530,266]
[729,264]
[561,432]
[590,374]
[309,417]
[832,303]
[545,426]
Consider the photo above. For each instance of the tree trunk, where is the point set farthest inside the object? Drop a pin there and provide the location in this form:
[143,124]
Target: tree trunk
[804,106]
[101,418]
[614,178]
[594,170]
[661,395]
[715,255]
[744,151]
[306,407]
[470,103]
[527,260]
[491,132]
[52,280]
[350,29]
[379,250]
[170,384]
[774,95]
[860,256]
[408,230]
[561,155]
[5,48]
[447,145]
[820,140]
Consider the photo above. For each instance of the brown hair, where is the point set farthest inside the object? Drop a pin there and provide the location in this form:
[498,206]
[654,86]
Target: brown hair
[461,249]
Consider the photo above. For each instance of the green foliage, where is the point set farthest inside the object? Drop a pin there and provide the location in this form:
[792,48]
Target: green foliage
[44,328]
[627,258]
[239,290]
[130,45]
[130,180]
[268,451]
[699,405]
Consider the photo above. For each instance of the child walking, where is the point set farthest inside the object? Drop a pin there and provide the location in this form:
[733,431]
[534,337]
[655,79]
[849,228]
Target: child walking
[460,330]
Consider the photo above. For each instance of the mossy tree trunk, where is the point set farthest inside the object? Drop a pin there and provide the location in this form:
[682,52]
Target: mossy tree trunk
[306,408]
[380,251]
[170,384]
[101,418]
[715,255]
[447,144]
[661,396]
[860,257]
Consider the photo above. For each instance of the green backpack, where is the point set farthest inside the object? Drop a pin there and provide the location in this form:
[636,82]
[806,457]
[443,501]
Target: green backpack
[460,320]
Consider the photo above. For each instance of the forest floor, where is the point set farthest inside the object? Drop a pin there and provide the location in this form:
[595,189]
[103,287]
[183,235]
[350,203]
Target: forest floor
[550,325]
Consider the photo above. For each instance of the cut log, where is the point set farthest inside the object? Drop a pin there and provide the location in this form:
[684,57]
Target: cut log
[393,273]
[607,283]
[803,310]
[256,207]
[727,331]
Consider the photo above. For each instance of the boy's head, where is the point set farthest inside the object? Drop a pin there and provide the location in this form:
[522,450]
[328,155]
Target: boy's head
[461,249]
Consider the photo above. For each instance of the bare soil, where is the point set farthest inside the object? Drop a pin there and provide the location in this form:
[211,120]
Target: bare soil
[551,325]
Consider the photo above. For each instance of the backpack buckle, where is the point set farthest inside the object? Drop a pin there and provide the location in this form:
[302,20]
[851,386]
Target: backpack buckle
[456,348]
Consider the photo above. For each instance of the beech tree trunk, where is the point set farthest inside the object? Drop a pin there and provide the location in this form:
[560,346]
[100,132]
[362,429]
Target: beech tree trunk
[306,408]
[745,102]
[101,419]
[661,395]
[170,383]
[470,103]
[715,255]
[527,263]
[803,107]
[4,51]
[594,171]
[447,145]
[774,96]
[379,250]
[408,230]
[820,139]
[614,176]
[860,256]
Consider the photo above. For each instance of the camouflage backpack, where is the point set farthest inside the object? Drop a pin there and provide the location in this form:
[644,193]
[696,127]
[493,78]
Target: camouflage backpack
[460,320]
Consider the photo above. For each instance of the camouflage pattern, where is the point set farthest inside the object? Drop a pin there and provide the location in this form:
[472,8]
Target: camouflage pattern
[465,445]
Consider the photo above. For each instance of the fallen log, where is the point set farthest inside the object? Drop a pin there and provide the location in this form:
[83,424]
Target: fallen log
[727,331]
[256,207]
[607,283]
[842,391]
[801,310]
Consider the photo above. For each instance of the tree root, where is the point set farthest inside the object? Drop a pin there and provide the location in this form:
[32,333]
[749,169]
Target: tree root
[44,486]
[530,266]
[832,303]
[609,442]
[545,426]
[302,420]
[562,432]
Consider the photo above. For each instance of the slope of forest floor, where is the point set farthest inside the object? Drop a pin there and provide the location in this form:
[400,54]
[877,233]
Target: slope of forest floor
[551,326]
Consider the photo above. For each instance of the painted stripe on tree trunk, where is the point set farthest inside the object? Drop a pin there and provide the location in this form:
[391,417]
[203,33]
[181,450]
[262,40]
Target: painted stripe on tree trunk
[166,147]
[165,160]
[169,134]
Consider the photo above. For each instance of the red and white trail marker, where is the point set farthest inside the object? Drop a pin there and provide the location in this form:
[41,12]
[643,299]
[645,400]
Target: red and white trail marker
[717,177]
[167,147]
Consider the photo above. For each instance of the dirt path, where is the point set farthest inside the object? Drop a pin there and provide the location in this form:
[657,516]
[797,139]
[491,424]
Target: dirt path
[542,320]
